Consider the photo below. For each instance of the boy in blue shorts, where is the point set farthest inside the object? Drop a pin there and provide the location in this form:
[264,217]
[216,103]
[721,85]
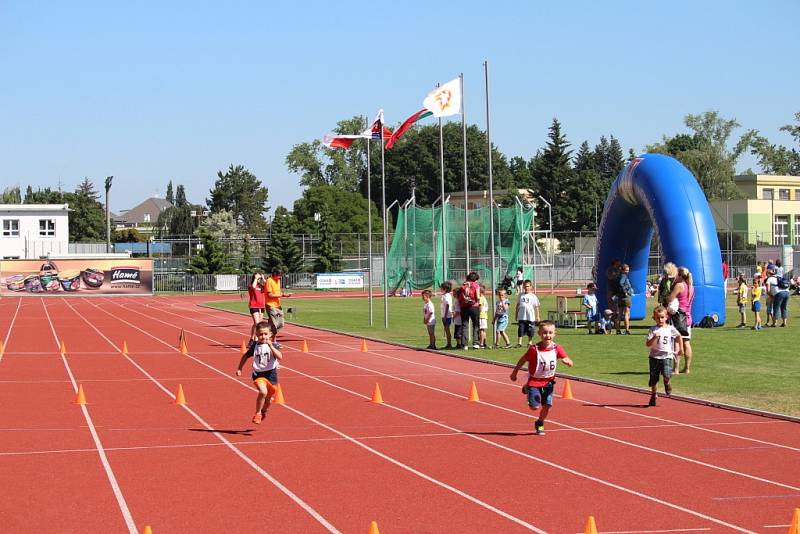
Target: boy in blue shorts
[542,358]
[666,345]
[265,368]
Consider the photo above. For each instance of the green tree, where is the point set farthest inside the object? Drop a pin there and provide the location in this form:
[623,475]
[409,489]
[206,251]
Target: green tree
[282,251]
[775,159]
[180,196]
[170,197]
[211,259]
[589,189]
[319,165]
[128,235]
[43,196]
[555,179]
[87,215]
[705,152]
[240,192]
[177,220]
[11,195]
[221,224]
[246,264]
[327,260]
[347,211]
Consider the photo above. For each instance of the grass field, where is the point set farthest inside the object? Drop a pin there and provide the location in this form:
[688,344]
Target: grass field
[735,366]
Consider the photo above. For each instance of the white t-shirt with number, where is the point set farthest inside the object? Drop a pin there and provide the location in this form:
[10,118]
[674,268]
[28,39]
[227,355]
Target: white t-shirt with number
[528,302]
[263,359]
[664,347]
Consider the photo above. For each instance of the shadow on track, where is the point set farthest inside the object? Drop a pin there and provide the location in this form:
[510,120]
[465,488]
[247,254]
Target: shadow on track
[244,432]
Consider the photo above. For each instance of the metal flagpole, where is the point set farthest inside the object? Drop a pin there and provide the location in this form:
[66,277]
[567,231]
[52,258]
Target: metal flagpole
[491,190]
[385,232]
[466,199]
[444,217]
[369,231]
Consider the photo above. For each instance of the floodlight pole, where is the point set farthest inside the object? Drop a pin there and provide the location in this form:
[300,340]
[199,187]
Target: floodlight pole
[550,252]
[108,215]
[491,194]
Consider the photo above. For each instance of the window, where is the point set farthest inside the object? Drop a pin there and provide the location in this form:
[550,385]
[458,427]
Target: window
[10,227]
[797,194]
[47,228]
[767,194]
[780,229]
[783,194]
[147,215]
[797,228]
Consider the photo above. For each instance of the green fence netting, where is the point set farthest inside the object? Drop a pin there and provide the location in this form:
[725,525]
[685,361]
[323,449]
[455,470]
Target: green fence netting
[421,257]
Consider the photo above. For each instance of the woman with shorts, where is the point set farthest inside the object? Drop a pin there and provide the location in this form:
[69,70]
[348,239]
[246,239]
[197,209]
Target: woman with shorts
[683,291]
[257,302]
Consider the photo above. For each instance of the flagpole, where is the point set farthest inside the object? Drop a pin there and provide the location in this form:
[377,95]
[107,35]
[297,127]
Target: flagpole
[444,218]
[466,196]
[491,191]
[369,232]
[385,232]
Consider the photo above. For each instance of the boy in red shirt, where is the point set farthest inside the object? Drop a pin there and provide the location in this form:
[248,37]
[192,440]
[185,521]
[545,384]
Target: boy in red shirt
[542,358]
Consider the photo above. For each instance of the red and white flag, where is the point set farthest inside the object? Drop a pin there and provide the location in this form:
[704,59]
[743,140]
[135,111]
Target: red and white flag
[332,140]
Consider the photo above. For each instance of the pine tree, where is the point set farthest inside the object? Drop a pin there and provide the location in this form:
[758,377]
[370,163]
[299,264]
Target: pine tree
[327,260]
[170,195]
[212,258]
[87,217]
[282,251]
[180,197]
[555,178]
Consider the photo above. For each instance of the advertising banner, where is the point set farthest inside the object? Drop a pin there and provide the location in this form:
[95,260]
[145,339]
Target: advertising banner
[340,280]
[86,276]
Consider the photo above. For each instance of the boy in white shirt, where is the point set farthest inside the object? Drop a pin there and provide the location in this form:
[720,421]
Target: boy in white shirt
[590,305]
[666,345]
[447,311]
[429,318]
[265,368]
[527,313]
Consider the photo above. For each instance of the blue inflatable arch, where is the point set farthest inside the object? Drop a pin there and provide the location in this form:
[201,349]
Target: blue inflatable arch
[656,191]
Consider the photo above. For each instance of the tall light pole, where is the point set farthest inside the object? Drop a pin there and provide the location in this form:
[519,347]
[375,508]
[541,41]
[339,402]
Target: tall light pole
[108,216]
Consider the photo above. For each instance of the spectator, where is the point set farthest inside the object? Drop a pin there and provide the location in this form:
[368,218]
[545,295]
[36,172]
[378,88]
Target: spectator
[470,298]
[683,291]
[624,302]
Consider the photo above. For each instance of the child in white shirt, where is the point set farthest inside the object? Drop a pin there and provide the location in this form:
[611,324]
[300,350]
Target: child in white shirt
[527,313]
[429,318]
[447,311]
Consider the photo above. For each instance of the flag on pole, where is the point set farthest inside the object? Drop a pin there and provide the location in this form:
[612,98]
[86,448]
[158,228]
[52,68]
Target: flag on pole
[421,114]
[332,140]
[445,100]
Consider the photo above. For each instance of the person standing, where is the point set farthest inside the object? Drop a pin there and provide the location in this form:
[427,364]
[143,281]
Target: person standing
[683,291]
[470,300]
[274,293]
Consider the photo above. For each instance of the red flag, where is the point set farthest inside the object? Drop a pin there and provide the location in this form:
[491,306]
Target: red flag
[421,114]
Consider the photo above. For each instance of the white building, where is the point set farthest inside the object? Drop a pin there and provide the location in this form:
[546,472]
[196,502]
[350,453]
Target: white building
[29,231]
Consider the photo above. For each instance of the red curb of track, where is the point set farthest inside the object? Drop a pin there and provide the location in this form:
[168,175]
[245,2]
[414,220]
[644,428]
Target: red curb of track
[644,391]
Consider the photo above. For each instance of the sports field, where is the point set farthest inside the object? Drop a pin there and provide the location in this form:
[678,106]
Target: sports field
[733,366]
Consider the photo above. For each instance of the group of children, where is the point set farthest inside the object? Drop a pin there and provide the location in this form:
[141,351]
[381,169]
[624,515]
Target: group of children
[744,294]
[526,313]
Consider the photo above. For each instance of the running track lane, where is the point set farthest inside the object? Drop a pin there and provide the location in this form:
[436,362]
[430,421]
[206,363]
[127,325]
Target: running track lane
[373,349]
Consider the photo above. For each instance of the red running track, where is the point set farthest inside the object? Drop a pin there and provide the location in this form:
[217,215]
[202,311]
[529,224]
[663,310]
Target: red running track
[329,460]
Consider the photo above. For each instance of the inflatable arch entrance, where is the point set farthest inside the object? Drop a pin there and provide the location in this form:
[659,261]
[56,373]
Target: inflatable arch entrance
[656,191]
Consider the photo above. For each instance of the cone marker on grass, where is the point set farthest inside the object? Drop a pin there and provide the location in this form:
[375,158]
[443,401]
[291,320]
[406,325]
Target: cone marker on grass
[278,398]
[591,527]
[373,528]
[80,398]
[305,346]
[364,347]
[180,398]
[473,393]
[567,393]
[377,398]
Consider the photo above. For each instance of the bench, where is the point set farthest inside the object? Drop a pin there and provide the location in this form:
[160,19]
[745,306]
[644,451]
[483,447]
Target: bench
[566,317]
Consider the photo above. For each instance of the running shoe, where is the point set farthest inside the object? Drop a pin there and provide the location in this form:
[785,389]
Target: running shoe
[539,428]
[668,389]
[258,417]
[652,400]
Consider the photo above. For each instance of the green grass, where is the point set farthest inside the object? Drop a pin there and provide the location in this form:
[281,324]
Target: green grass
[742,367]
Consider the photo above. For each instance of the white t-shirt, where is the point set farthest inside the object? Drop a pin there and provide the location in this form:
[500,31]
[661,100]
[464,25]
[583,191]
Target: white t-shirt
[428,313]
[590,299]
[664,347]
[263,359]
[772,285]
[528,302]
[447,305]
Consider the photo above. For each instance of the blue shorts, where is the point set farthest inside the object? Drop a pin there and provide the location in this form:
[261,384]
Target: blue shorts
[447,321]
[540,395]
[270,376]
[756,307]
[501,323]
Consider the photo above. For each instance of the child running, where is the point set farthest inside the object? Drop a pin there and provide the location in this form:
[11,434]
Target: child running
[265,368]
[447,311]
[501,319]
[542,358]
[666,344]
[741,301]
[256,302]
[527,313]
[429,318]
[756,305]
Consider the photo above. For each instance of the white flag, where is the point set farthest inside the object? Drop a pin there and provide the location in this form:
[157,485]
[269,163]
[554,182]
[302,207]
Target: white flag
[445,100]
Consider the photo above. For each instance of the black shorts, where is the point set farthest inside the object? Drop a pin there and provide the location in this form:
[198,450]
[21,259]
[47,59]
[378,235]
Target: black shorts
[254,310]
[525,328]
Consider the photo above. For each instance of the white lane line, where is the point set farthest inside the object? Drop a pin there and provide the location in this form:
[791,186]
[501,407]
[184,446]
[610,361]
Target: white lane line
[123,505]
[346,437]
[10,327]
[755,497]
[481,439]
[554,421]
[289,493]
[651,531]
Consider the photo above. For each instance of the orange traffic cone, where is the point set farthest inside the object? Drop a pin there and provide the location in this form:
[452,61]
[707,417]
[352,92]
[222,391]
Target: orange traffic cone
[125,348]
[278,398]
[591,527]
[364,346]
[373,528]
[184,348]
[242,347]
[2,347]
[794,528]
[147,530]
[567,393]
[180,398]
[62,347]
[80,398]
[377,398]
[473,393]
[181,338]
[305,346]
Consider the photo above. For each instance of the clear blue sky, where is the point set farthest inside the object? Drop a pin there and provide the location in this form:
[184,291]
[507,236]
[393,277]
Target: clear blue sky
[153,91]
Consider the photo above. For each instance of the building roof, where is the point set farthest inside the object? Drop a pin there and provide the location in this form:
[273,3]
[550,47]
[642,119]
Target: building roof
[138,214]
[33,207]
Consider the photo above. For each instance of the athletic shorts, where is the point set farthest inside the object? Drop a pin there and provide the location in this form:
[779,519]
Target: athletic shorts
[275,319]
[270,376]
[660,367]
[688,336]
[540,395]
[525,328]
[447,321]
[501,323]
[431,328]
[482,324]
[624,302]
[756,306]
[256,310]
[742,308]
